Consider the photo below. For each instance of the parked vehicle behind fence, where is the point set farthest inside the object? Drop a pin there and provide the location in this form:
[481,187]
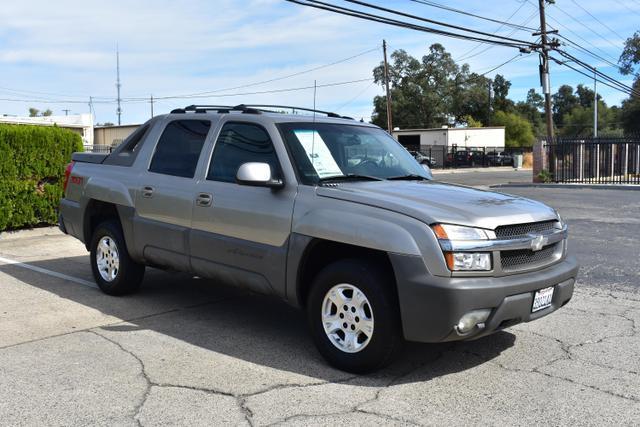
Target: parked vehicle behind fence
[329,214]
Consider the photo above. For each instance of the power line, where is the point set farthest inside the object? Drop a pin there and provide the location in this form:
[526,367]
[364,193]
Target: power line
[146,100]
[627,7]
[419,18]
[110,100]
[588,76]
[593,69]
[533,15]
[604,78]
[463,12]
[598,20]
[515,12]
[586,26]
[402,24]
[299,73]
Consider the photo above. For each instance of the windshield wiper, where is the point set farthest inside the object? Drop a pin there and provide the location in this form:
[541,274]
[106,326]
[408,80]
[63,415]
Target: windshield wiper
[349,177]
[408,177]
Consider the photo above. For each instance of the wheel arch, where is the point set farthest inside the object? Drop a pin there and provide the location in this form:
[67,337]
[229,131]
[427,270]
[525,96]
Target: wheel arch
[317,253]
[97,211]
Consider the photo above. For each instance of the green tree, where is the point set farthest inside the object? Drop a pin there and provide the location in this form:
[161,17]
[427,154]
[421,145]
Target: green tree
[563,102]
[501,88]
[471,122]
[431,91]
[518,131]
[47,113]
[579,121]
[33,112]
[530,110]
[630,111]
[629,61]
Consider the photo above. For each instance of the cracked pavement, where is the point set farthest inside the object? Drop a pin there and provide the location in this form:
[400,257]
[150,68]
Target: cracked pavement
[185,351]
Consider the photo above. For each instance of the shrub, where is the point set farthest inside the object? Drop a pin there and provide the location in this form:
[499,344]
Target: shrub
[32,162]
[518,131]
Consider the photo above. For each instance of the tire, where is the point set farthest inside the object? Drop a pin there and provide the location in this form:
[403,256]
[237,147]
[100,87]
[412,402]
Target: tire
[113,269]
[367,353]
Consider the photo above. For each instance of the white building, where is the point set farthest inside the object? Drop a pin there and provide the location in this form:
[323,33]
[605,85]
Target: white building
[79,123]
[487,137]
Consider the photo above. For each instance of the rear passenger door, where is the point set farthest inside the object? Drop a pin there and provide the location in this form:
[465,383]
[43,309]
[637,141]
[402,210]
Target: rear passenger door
[164,198]
[241,234]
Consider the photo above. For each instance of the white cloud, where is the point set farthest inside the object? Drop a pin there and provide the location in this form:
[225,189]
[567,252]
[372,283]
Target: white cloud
[170,47]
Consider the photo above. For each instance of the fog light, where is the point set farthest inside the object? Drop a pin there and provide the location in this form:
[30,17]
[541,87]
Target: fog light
[471,320]
[468,261]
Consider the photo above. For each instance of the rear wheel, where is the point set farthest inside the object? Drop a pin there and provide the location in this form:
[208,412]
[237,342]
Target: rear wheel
[113,269]
[353,315]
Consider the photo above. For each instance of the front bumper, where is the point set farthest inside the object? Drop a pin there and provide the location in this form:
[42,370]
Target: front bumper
[431,306]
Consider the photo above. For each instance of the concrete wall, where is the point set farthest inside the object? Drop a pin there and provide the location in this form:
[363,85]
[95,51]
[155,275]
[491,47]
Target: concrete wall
[112,135]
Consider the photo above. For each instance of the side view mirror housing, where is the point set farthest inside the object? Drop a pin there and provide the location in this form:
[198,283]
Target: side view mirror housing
[258,175]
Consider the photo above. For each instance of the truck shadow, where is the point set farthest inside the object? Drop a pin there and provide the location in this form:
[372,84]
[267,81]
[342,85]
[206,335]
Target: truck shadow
[226,321]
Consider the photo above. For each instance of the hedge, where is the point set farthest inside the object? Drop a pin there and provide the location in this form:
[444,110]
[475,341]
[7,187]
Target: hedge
[32,162]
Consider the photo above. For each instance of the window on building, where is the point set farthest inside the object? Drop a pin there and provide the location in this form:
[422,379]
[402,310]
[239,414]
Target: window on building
[179,148]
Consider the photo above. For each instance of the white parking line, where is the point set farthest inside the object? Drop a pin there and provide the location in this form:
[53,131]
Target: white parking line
[49,272]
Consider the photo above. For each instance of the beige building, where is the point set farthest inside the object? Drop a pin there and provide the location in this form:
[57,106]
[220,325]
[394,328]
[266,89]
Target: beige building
[487,137]
[111,136]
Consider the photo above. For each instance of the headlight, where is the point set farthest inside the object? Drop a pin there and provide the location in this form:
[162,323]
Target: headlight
[458,232]
[468,261]
[464,261]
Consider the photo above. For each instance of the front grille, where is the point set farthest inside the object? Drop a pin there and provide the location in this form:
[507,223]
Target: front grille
[523,258]
[516,231]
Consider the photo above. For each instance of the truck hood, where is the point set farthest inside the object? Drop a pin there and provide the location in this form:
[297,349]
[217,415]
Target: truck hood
[433,202]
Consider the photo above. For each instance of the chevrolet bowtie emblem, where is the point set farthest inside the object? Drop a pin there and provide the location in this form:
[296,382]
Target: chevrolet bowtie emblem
[538,242]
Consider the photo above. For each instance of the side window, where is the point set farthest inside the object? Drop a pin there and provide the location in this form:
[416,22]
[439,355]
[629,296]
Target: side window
[179,148]
[131,143]
[240,143]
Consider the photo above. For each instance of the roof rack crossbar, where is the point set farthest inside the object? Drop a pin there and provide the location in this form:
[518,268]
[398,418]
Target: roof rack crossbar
[252,109]
[217,108]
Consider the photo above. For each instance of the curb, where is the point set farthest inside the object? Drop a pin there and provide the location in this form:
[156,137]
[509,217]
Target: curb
[33,232]
[480,170]
[624,187]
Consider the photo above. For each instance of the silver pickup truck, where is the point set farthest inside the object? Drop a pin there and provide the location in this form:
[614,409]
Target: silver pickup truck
[328,213]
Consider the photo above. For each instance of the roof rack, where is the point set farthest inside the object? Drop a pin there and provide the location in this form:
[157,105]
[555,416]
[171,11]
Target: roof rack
[251,109]
[223,109]
[289,107]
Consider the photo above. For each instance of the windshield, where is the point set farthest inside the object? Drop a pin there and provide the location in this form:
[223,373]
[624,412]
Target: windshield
[324,151]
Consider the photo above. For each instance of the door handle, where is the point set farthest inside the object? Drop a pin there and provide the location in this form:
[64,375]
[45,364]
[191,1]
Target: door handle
[147,191]
[204,199]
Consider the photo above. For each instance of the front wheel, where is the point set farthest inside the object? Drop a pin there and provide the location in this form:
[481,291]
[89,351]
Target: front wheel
[353,315]
[113,269]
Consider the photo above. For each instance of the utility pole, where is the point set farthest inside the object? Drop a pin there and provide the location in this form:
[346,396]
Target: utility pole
[66,111]
[152,106]
[595,104]
[489,104]
[386,84]
[544,72]
[118,110]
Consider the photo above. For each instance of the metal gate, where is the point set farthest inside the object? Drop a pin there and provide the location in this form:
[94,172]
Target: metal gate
[595,161]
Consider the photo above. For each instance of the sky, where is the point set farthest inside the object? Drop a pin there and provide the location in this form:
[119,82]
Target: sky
[58,54]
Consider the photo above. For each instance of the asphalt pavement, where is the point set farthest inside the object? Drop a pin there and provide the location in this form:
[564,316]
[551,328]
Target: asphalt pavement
[187,351]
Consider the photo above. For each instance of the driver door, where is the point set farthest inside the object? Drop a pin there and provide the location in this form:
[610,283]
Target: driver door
[239,232]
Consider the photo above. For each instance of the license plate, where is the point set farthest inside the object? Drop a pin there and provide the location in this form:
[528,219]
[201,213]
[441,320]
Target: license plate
[542,299]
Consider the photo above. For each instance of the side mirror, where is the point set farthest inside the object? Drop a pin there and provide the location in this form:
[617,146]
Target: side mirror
[257,175]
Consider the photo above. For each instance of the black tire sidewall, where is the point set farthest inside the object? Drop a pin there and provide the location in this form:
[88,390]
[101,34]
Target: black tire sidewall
[378,286]
[129,273]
